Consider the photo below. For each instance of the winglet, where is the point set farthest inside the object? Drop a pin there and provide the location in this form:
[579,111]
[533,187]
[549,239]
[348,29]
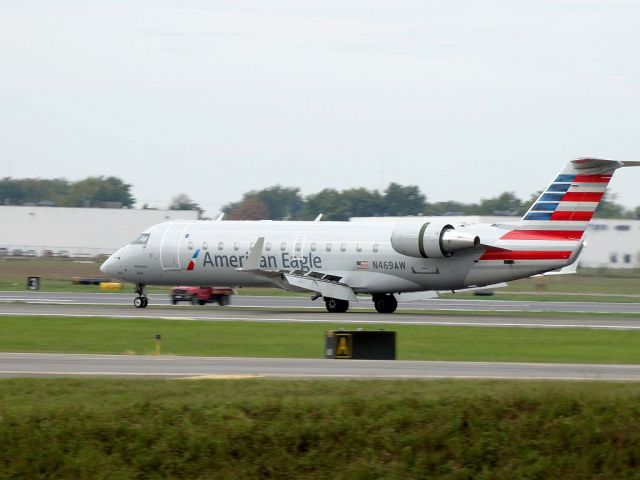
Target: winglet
[253,262]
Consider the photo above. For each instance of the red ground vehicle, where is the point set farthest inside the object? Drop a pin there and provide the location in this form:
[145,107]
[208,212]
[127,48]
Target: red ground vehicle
[202,295]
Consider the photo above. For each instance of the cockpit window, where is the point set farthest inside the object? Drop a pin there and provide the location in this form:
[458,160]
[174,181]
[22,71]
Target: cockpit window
[142,239]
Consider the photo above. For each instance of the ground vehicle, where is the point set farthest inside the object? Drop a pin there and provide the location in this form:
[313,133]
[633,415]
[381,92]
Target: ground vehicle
[202,295]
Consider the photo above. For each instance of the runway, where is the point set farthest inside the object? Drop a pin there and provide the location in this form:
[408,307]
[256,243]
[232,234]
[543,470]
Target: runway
[126,299]
[46,365]
[105,305]
[302,310]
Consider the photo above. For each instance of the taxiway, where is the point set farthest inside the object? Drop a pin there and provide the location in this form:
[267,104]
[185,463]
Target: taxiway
[48,364]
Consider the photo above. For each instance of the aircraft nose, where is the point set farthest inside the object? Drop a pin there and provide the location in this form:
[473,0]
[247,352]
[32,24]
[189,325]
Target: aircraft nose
[114,263]
[108,266]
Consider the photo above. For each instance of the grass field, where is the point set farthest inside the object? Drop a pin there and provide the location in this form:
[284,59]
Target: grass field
[258,339]
[250,429]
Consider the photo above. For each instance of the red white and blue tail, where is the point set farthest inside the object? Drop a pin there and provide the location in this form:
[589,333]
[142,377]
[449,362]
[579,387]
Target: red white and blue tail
[564,209]
[550,235]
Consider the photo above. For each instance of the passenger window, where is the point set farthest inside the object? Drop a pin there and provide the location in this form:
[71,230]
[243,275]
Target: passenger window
[220,245]
[251,245]
[343,247]
[359,247]
[328,247]
[205,246]
[313,247]
[375,247]
[283,246]
[298,247]
[190,245]
[236,246]
[142,239]
[268,246]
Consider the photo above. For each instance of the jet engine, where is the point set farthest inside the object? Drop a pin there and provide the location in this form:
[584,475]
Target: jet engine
[431,240]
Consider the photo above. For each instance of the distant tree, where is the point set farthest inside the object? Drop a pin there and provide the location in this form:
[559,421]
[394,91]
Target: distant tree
[360,202]
[282,202]
[448,208]
[250,208]
[95,190]
[504,204]
[328,202]
[182,201]
[32,190]
[608,208]
[399,200]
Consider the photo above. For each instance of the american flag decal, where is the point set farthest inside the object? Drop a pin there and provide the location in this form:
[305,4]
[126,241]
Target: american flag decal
[362,265]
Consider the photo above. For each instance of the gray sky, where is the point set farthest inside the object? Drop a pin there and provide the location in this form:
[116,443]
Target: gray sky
[214,98]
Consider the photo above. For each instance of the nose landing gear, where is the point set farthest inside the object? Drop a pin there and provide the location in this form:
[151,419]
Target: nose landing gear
[141,301]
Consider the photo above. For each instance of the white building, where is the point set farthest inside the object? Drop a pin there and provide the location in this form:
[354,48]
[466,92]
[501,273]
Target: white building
[609,243]
[76,231]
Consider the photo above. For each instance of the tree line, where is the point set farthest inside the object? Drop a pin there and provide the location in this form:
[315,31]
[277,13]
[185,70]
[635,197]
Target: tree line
[281,203]
[286,203]
[90,192]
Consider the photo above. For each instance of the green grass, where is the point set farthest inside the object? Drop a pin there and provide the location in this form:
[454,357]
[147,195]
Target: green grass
[250,429]
[302,340]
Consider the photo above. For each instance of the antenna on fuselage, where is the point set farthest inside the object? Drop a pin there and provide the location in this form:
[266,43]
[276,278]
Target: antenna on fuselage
[318,217]
[219,219]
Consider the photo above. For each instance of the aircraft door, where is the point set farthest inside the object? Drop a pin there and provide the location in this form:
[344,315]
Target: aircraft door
[299,246]
[170,245]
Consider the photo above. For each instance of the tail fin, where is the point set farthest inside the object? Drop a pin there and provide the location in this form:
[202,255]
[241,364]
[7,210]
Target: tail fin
[567,205]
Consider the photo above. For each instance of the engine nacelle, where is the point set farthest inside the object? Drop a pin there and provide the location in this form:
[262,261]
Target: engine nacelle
[431,240]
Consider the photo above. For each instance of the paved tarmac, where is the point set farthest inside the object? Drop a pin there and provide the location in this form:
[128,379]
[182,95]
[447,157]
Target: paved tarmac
[126,299]
[44,365]
[54,305]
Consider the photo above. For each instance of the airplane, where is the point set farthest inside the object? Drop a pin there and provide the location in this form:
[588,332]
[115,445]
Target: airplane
[337,261]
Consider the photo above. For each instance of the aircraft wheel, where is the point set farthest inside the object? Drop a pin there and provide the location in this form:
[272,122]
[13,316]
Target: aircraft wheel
[140,302]
[385,303]
[335,305]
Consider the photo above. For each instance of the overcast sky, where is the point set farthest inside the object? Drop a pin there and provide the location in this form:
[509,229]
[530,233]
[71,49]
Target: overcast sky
[463,98]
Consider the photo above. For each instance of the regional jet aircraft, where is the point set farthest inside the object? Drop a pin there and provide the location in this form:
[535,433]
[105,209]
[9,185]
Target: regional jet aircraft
[390,261]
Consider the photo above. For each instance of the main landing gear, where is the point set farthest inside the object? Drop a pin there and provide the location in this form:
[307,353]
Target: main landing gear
[141,301]
[385,302]
[335,305]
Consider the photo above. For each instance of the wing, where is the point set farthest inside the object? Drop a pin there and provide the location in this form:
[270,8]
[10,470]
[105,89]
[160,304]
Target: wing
[327,284]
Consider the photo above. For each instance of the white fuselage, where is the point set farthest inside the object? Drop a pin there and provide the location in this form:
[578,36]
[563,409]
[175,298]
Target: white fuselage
[360,254]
